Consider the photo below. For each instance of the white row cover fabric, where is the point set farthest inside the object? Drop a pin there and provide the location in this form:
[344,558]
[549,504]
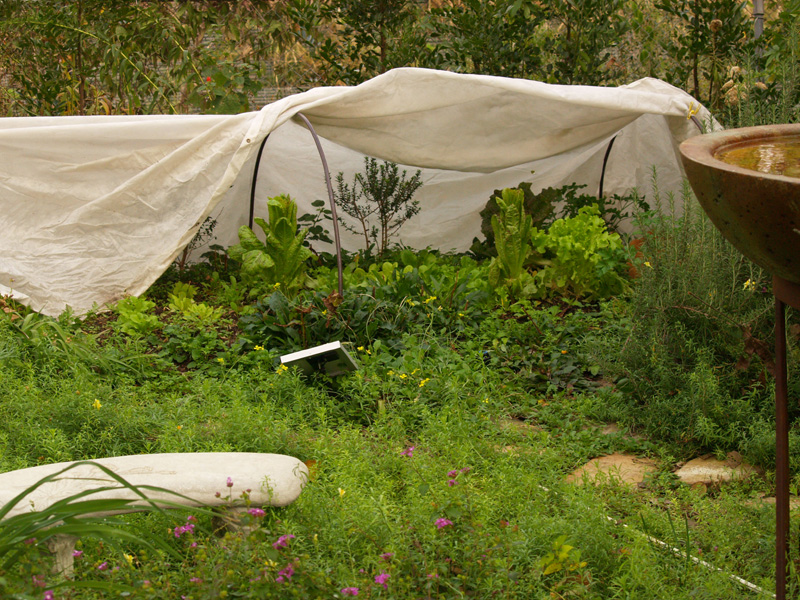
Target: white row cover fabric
[96,208]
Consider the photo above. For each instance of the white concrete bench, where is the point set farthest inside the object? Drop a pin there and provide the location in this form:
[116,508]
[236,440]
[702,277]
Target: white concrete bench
[208,479]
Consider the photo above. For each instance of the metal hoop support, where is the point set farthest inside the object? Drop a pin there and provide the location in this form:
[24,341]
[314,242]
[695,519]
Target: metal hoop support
[253,185]
[332,201]
[330,197]
[605,162]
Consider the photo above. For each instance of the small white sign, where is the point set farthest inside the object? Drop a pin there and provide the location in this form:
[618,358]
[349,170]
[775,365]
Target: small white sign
[330,359]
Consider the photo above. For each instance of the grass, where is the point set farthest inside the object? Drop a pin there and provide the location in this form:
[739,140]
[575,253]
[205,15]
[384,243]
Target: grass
[370,511]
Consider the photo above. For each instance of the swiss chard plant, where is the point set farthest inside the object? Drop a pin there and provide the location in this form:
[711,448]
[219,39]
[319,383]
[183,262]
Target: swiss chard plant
[280,261]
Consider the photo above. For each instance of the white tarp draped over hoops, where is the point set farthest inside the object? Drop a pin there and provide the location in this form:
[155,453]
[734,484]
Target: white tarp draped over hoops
[96,208]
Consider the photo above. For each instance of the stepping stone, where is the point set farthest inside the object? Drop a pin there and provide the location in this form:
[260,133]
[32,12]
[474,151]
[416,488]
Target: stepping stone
[519,425]
[708,470]
[625,468]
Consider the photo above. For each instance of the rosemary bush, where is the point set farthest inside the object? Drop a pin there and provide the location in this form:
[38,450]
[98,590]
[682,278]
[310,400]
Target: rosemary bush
[694,356]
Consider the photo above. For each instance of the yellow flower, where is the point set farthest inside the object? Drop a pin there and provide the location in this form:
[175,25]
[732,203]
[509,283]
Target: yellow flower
[325,312]
[460,314]
[390,373]
[259,348]
[424,381]
[180,427]
[647,264]
[412,303]
[402,376]
[281,369]
[221,360]
[692,110]
[129,558]
[341,492]
[430,299]
[750,285]
[360,348]
[563,352]
[96,403]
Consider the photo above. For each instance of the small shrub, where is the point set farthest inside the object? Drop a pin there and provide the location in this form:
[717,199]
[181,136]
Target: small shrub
[383,191]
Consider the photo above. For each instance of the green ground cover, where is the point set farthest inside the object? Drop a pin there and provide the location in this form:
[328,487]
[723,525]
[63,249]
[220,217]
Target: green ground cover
[437,469]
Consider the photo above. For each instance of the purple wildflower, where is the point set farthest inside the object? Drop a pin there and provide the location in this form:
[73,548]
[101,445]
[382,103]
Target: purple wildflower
[102,566]
[282,541]
[229,483]
[433,576]
[257,512]
[48,595]
[382,579]
[285,573]
[409,452]
[452,482]
[386,556]
[440,523]
[349,591]
[77,553]
[452,473]
[195,580]
[466,470]
[181,529]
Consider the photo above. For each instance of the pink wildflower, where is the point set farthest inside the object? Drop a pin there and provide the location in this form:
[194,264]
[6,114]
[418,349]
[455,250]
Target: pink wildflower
[38,581]
[349,591]
[452,482]
[409,452]
[49,595]
[257,512]
[282,541]
[440,523]
[466,470]
[77,553]
[102,566]
[181,529]
[386,556]
[229,483]
[285,573]
[433,576]
[452,473]
[382,579]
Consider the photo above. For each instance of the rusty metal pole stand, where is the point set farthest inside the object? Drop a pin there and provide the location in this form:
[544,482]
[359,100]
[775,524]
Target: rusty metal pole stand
[785,292]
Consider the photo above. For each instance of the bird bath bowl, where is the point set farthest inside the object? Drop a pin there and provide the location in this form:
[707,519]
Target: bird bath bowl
[748,182]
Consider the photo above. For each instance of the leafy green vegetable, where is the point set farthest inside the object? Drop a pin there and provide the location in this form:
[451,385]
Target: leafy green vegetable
[585,260]
[280,261]
[512,229]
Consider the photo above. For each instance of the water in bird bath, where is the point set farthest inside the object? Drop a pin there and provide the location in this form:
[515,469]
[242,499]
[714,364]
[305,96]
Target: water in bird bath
[778,156]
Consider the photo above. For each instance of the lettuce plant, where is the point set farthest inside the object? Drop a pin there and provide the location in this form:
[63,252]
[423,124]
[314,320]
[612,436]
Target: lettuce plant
[280,261]
[585,259]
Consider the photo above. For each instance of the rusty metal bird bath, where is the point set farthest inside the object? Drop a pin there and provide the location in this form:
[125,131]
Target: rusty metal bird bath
[757,209]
